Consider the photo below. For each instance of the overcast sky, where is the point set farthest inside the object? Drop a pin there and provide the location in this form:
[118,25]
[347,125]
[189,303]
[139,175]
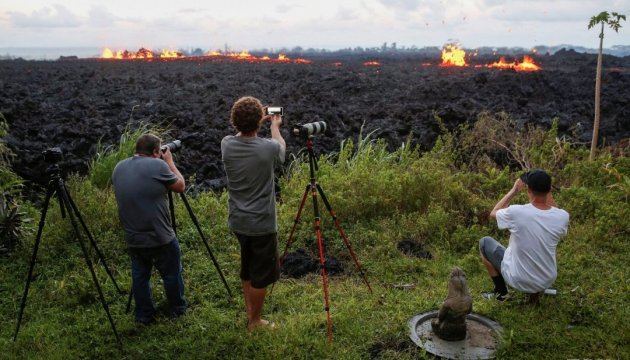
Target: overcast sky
[252,24]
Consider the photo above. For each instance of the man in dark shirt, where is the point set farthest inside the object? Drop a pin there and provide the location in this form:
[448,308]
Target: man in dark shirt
[141,184]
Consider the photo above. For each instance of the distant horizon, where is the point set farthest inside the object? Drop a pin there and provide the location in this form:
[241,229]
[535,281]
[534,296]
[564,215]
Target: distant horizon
[54,52]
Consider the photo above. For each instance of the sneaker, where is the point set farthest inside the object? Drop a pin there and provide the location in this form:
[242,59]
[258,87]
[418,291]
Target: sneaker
[492,295]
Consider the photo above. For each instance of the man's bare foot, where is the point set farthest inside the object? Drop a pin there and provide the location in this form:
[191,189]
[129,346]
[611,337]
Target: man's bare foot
[261,324]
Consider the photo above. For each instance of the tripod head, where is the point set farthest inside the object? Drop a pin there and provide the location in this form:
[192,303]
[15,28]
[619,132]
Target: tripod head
[53,156]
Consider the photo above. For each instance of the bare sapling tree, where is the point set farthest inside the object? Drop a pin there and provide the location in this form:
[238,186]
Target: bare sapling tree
[614,21]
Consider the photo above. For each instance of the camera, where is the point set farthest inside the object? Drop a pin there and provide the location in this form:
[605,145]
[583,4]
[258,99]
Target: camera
[311,129]
[53,155]
[174,146]
[275,110]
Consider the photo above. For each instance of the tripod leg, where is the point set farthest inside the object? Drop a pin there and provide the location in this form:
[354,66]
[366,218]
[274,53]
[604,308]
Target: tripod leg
[322,261]
[38,239]
[171,207]
[205,242]
[92,241]
[129,301]
[65,198]
[295,222]
[343,236]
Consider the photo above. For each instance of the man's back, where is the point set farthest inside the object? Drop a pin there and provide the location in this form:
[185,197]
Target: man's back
[249,165]
[529,263]
[140,186]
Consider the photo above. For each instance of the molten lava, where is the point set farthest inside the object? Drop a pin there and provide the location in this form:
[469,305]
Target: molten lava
[527,64]
[453,56]
[372,63]
[173,54]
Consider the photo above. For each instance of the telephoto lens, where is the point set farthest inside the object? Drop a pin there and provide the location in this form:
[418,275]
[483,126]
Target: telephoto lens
[174,146]
[310,129]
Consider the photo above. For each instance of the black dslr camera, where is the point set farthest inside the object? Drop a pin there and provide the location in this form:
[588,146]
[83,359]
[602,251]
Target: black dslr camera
[53,155]
[174,146]
[305,131]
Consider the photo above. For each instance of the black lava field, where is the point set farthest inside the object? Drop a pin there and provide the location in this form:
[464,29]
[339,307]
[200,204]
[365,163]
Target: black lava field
[74,104]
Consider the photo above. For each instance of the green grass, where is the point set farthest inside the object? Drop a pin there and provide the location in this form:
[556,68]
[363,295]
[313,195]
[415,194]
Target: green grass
[380,197]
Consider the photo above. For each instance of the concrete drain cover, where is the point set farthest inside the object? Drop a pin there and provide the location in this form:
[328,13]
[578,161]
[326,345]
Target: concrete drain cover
[480,343]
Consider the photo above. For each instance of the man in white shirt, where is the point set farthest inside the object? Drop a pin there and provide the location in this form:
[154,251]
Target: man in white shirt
[529,262]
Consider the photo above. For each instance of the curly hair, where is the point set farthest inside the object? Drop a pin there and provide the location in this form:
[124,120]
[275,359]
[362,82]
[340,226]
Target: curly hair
[246,114]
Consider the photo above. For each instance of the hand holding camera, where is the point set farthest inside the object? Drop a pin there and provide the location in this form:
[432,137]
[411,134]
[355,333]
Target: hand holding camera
[167,150]
[274,115]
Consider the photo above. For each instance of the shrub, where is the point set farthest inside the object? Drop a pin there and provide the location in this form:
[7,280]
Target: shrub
[13,221]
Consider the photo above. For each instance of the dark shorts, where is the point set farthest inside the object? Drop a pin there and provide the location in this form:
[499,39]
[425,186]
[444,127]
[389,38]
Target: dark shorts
[259,259]
[492,250]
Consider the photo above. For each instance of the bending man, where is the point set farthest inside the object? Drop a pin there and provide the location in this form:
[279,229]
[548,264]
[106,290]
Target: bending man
[249,163]
[529,262]
[141,184]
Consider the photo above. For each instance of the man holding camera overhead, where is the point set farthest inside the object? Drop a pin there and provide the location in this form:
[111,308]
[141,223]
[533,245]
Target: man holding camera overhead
[141,184]
[529,262]
[249,163]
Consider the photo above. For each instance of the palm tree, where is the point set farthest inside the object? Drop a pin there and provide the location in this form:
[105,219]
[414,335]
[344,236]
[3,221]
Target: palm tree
[612,20]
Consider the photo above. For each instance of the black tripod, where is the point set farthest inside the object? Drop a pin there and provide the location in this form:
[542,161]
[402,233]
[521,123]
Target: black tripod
[203,238]
[314,188]
[57,186]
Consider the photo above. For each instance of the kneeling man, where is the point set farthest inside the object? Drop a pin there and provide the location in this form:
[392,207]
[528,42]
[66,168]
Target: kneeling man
[529,262]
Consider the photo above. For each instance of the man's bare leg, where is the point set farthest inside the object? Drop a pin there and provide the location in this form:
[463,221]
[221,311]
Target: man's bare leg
[256,302]
[246,286]
[497,278]
[491,270]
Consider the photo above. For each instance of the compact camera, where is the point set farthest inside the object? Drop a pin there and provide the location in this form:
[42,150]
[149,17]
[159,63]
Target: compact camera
[275,110]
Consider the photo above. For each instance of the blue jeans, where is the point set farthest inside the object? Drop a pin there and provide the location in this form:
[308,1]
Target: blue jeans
[167,259]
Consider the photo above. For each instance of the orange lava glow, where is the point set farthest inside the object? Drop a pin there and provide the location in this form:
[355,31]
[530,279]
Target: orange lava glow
[173,54]
[453,56]
[527,64]
[372,63]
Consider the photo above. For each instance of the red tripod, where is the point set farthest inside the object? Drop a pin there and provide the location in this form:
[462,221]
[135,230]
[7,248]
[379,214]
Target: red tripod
[314,188]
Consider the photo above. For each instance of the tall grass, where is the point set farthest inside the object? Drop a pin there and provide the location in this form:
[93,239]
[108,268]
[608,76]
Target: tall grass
[440,198]
[107,156]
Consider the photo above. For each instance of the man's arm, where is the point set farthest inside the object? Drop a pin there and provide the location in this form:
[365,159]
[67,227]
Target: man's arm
[505,201]
[276,121]
[180,185]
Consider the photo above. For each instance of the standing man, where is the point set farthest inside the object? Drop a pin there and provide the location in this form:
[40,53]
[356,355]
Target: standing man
[141,184]
[249,163]
[529,262]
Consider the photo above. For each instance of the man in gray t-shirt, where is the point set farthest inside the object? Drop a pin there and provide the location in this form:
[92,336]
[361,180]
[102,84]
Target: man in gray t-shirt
[141,184]
[249,164]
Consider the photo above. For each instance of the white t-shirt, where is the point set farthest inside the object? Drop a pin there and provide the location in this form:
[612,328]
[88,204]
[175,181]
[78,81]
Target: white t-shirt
[529,262]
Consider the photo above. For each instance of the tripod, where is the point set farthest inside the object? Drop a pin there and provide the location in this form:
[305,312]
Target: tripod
[315,188]
[203,238]
[57,186]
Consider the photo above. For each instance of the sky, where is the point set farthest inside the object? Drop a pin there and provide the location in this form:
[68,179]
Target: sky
[329,24]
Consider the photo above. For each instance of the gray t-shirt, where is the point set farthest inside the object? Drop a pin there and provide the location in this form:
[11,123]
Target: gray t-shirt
[249,165]
[140,186]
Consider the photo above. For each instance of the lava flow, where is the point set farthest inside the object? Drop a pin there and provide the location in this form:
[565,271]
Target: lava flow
[172,54]
[453,56]
[527,64]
